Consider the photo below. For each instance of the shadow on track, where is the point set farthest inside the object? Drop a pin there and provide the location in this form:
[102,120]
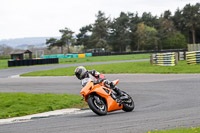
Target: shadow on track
[108,114]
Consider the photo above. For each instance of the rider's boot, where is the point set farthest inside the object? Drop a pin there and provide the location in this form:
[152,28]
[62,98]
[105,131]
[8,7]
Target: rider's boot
[121,95]
[119,92]
[116,89]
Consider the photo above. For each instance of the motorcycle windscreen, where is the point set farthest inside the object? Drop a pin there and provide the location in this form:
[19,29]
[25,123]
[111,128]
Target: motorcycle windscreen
[116,81]
[87,87]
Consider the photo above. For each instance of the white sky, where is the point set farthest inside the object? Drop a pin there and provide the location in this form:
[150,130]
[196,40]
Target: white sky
[42,18]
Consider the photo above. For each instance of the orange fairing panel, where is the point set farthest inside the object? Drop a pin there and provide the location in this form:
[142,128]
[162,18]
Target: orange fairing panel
[100,91]
[85,90]
[112,104]
[116,81]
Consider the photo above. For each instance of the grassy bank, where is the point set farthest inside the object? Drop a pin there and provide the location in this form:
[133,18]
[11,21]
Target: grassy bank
[4,63]
[129,67]
[20,104]
[189,130]
[6,57]
[104,58]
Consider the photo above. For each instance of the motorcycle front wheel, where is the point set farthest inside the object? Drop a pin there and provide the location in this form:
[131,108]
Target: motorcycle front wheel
[100,108]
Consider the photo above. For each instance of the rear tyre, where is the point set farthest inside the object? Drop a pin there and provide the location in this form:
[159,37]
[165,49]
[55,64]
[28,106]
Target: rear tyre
[99,109]
[128,105]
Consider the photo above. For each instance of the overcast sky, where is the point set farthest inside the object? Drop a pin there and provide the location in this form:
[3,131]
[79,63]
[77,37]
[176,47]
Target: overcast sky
[42,18]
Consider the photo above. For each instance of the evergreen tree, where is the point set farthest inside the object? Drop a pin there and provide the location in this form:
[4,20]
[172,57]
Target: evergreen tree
[166,27]
[100,30]
[187,21]
[191,15]
[149,20]
[120,32]
[83,38]
[66,39]
[134,19]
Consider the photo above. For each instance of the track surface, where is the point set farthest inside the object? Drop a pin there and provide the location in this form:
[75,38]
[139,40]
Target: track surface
[162,102]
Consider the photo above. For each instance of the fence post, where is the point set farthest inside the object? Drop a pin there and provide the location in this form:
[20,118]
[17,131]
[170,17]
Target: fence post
[179,55]
[176,58]
[184,55]
[151,59]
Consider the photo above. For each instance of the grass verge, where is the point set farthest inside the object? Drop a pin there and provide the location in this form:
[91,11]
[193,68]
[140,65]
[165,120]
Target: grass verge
[4,63]
[4,57]
[104,58]
[129,67]
[189,130]
[20,104]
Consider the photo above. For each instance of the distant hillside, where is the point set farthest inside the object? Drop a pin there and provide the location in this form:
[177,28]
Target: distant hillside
[25,42]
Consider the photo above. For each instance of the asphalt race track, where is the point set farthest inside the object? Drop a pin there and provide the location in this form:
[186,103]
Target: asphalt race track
[163,101]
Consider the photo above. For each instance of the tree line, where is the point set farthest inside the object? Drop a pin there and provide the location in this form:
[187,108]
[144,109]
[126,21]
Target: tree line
[132,32]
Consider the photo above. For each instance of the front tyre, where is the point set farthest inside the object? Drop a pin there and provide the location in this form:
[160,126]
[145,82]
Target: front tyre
[128,105]
[96,107]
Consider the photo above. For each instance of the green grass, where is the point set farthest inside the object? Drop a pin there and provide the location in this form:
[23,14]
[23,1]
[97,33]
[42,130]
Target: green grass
[4,57]
[4,62]
[189,130]
[104,58]
[20,104]
[129,67]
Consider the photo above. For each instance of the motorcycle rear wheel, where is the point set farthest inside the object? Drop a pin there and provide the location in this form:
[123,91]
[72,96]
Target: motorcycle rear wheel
[99,109]
[128,106]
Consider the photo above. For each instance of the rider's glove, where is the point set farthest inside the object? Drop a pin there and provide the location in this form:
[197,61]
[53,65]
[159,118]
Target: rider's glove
[106,82]
[99,80]
[112,85]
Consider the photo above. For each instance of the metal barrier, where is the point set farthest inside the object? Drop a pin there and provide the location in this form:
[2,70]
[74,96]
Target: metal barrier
[67,56]
[138,52]
[164,59]
[81,55]
[193,57]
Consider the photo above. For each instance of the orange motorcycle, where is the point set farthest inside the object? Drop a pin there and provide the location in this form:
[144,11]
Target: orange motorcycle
[102,99]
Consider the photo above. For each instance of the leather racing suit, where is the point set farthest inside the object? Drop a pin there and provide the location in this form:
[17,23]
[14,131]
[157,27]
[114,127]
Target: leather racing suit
[98,77]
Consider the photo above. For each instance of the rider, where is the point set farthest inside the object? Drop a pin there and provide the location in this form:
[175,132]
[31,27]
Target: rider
[82,73]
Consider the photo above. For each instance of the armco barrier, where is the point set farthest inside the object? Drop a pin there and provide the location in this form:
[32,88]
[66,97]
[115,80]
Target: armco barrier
[164,59]
[88,54]
[75,55]
[30,62]
[67,56]
[81,55]
[138,52]
[193,57]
